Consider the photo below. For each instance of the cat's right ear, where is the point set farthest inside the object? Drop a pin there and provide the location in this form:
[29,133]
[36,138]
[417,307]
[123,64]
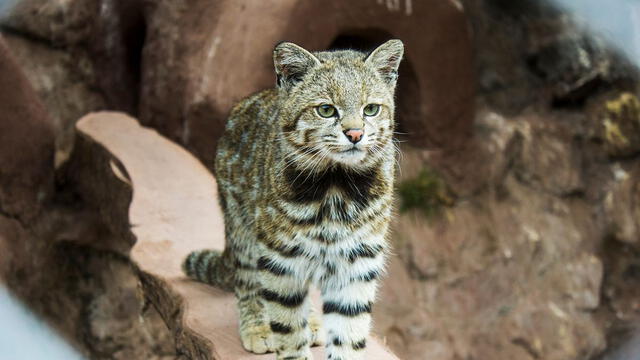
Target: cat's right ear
[292,62]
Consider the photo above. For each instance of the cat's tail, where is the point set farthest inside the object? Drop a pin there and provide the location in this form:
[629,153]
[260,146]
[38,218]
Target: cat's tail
[211,267]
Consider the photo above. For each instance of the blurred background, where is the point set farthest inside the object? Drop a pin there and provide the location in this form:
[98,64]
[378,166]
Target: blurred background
[518,227]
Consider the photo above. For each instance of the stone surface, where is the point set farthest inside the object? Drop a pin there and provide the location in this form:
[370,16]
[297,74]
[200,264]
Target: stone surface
[528,52]
[622,205]
[91,296]
[59,22]
[79,55]
[514,269]
[26,144]
[63,82]
[547,156]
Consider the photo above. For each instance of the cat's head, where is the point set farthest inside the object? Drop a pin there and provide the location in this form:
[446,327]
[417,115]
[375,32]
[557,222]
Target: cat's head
[337,106]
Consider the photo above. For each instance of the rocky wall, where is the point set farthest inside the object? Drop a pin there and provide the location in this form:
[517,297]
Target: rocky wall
[521,249]
[58,255]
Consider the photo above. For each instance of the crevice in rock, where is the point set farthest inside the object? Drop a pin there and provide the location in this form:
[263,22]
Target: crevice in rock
[4,28]
[14,217]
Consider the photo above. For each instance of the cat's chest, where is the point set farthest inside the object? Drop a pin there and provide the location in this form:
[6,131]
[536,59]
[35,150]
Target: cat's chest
[332,209]
[337,191]
[333,218]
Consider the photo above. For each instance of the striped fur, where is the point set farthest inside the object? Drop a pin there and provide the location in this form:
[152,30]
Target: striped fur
[303,204]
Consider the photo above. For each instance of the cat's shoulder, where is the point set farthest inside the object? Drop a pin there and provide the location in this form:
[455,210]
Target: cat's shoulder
[255,101]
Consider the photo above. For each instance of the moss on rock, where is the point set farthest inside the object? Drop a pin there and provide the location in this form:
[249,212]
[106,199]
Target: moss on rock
[426,192]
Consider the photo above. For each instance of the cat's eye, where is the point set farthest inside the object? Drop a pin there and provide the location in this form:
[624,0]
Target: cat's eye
[326,111]
[371,110]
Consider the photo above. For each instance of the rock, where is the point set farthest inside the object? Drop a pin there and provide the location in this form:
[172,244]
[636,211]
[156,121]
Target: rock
[533,53]
[80,55]
[498,277]
[71,286]
[26,144]
[540,151]
[572,64]
[58,22]
[548,157]
[498,139]
[63,82]
[622,205]
[194,69]
[580,281]
[618,125]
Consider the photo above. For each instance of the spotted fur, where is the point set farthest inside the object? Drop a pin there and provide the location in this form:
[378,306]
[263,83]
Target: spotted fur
[303,204]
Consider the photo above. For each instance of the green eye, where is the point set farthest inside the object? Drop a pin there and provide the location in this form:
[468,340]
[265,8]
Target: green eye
[326,111]
[371,110]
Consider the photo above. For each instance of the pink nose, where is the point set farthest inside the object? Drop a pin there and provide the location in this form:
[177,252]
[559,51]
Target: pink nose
[354,135]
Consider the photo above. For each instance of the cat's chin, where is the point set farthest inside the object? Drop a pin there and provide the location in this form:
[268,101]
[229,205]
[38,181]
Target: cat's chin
[351,157]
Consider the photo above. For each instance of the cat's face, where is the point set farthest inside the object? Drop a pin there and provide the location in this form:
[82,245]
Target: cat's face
[339,106]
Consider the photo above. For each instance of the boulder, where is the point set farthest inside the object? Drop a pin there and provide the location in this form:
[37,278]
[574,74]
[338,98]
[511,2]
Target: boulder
[622,205]
[548,156]
[26,144]
[63,82]
[91,296]
[58,22]
[80,56]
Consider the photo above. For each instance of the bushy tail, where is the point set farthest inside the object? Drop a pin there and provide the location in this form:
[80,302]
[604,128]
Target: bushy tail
[210,267]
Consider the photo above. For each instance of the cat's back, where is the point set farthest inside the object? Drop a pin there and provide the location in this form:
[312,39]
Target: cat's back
[250,127]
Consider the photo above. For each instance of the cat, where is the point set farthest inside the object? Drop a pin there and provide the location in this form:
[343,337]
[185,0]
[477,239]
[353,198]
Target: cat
[305,175]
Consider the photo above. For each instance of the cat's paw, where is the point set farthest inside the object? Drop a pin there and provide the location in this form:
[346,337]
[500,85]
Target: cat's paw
[257,339]
[315,324]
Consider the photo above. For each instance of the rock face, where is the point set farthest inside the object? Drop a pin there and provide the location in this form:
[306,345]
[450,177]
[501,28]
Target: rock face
[518,234]
[182,65]
[203,57]
[26,144]
[79,55]
[91,295]
[510,272]
[622,206]
[61,81]
[537,257]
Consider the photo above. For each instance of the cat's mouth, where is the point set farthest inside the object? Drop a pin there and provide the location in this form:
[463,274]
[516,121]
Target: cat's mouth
[350,156]
[351,150]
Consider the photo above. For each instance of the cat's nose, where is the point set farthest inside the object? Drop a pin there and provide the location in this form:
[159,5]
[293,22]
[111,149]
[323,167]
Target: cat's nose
[354,135]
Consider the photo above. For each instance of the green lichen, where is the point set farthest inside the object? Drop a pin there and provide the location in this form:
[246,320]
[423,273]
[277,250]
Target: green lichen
[625,103]
[426,192]
[621,124]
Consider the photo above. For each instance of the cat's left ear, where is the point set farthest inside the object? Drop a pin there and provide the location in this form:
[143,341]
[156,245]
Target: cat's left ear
[292,62]
[386,60]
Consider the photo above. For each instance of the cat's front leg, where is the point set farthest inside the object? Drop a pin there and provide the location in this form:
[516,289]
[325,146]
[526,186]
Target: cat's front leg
[287,304]
[348,296]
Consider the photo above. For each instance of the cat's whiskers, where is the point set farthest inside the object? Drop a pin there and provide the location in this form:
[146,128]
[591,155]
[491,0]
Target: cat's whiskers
[294,159]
